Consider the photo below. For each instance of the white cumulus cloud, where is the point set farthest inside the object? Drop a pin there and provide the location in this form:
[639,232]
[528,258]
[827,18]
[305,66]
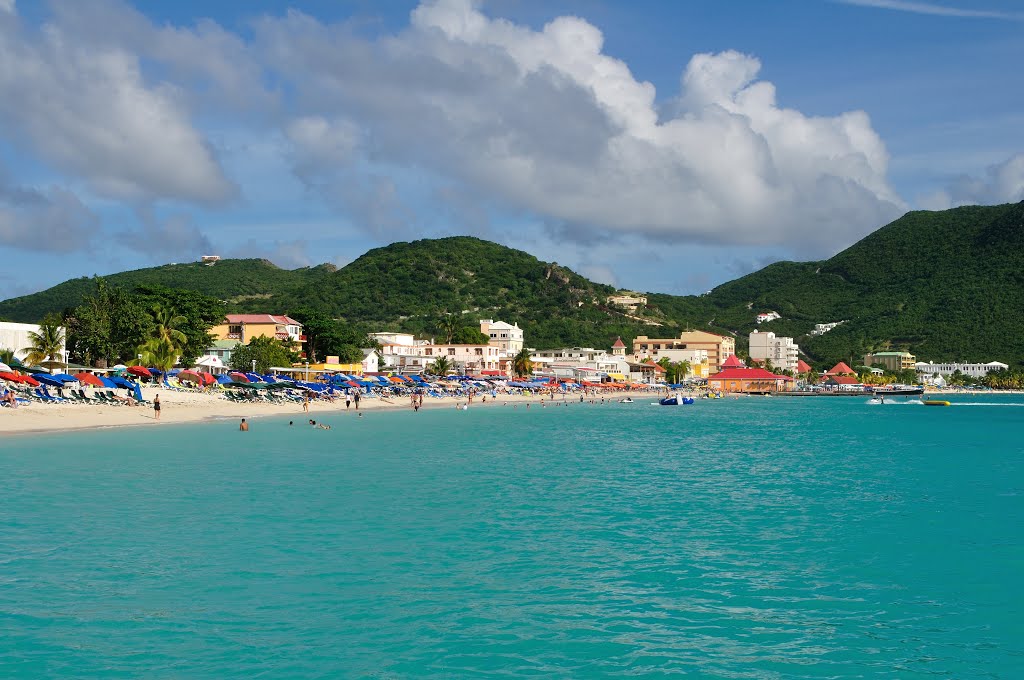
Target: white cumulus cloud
[87,110]
[1001,183]
[545,121]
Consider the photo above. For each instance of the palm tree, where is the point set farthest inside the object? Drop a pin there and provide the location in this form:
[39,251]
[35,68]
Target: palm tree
[683,369]
[6,355]
[47,344]
[447,325]
[441,366]
[159,354]
[522,364]
[166,323]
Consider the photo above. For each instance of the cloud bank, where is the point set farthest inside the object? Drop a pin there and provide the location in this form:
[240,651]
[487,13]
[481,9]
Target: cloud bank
[537,123]
[1001,183]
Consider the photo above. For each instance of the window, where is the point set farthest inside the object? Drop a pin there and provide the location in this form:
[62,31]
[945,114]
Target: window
[451,351]
[479,351]
[429,352]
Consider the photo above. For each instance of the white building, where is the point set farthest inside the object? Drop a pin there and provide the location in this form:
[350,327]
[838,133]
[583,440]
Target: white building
[371,360]
[581,361]
[765,317]
[14,336]
[507,338]
[467,359]
[929,369]
[781,351]
[822,328]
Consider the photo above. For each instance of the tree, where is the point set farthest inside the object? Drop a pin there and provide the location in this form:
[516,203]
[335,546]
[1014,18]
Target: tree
[200,313]
[47,343]
[318,329]
[266,352]
[6,355]
[522,363]
[107,327]
[441,366]
[468,335]
[683,369]
[447,325]
[159,354]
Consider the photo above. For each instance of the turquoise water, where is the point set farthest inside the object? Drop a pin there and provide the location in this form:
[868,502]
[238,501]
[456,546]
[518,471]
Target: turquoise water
[759,538]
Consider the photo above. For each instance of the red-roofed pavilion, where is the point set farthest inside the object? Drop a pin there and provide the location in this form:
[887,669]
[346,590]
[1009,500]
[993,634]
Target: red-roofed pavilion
[802,367]
[733,361]
[840,369]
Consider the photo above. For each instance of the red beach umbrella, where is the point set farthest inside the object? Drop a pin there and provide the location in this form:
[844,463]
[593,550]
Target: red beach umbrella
[238,377]
[191,376]
[141,371]
[89,379]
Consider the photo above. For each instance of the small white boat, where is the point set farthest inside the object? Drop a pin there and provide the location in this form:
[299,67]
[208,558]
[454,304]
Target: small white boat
[627,400]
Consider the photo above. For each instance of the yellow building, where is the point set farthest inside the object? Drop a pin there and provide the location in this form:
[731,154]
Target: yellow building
[718,347]
[892,361]
[245,327]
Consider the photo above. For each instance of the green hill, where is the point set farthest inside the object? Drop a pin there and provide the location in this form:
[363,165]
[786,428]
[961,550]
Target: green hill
[944,285]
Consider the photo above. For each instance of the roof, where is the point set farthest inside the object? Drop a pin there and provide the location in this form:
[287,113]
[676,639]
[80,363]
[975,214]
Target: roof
[802,367]
[747,374]
[732,361]
[843,380]
[262,318]
[657,368]
[840,369]
[618,343]
[224,344]
[891,354]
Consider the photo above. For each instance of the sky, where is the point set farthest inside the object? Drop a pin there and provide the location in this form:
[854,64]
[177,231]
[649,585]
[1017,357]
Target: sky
[656,146]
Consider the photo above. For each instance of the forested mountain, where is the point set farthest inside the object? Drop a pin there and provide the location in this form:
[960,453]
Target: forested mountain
[945,285]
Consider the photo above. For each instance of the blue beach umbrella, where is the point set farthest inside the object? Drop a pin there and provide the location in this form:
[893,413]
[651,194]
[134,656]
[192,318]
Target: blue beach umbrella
[224,379]
[49,380]
[121,382]
[107,382]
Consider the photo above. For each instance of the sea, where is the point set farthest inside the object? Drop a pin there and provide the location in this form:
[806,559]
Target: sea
[761,537]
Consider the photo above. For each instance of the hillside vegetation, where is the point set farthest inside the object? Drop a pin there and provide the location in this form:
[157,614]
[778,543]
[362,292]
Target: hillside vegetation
[945,285]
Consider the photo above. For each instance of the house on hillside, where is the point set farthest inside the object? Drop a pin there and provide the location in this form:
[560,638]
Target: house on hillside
[765,317]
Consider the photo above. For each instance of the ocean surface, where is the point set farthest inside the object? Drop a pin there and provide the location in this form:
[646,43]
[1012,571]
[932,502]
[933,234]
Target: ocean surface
[752,538]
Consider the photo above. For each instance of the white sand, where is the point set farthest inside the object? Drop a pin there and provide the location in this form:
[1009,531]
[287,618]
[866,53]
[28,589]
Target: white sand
[191,407]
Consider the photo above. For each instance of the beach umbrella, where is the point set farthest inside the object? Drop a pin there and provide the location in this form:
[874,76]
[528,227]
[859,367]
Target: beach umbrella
[239,377]
[49,380]
[89,379]
[223,379]
[253,377]
[29,380]
[140,371]
[208,378]
[107,382]
[64,377]
[4,368]
[121,382]
[191,376]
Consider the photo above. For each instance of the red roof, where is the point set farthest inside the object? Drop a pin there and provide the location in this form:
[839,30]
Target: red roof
[618,344]
[657,368]
[747,374]
[843,380]
[732,361]
[802,367]
[840,369]
[262,318]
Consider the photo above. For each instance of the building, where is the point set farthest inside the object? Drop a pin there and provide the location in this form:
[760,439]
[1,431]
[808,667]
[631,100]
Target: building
[507,338]
[210,260]
[221,351]
[802,367]
[15,337]
[628,300]
[387,338]
[927,370]
[749,380]
[892,361]
[465,359]
[782,352]
[765,317]
[593,363]
[718,347]
[839,369]
[822,328]
[245,327]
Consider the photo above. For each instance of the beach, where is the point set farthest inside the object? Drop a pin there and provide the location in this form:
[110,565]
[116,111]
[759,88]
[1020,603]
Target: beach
[181,407]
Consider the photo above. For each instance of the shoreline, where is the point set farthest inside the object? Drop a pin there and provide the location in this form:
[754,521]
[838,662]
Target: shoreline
[181,408]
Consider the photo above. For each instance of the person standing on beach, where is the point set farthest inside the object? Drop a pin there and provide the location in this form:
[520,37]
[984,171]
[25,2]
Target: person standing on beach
[156,407]
[305,401]
[348,399]
[357,401]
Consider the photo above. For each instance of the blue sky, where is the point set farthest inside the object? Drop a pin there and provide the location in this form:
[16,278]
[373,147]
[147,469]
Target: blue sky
[665,146]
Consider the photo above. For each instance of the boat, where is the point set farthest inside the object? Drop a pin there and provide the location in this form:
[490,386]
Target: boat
[676,400]
[935,402]
[627,400]
[899,391]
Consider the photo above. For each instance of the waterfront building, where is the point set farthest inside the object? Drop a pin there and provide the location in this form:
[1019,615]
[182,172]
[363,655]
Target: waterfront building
[718,347]
[892,361]
[973,370]
[596,363]
[15,337]
[802,367]
[245,327]
[839,369]
[219,354]
[782,352]
[506,337]
[749,380]
[466,359]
